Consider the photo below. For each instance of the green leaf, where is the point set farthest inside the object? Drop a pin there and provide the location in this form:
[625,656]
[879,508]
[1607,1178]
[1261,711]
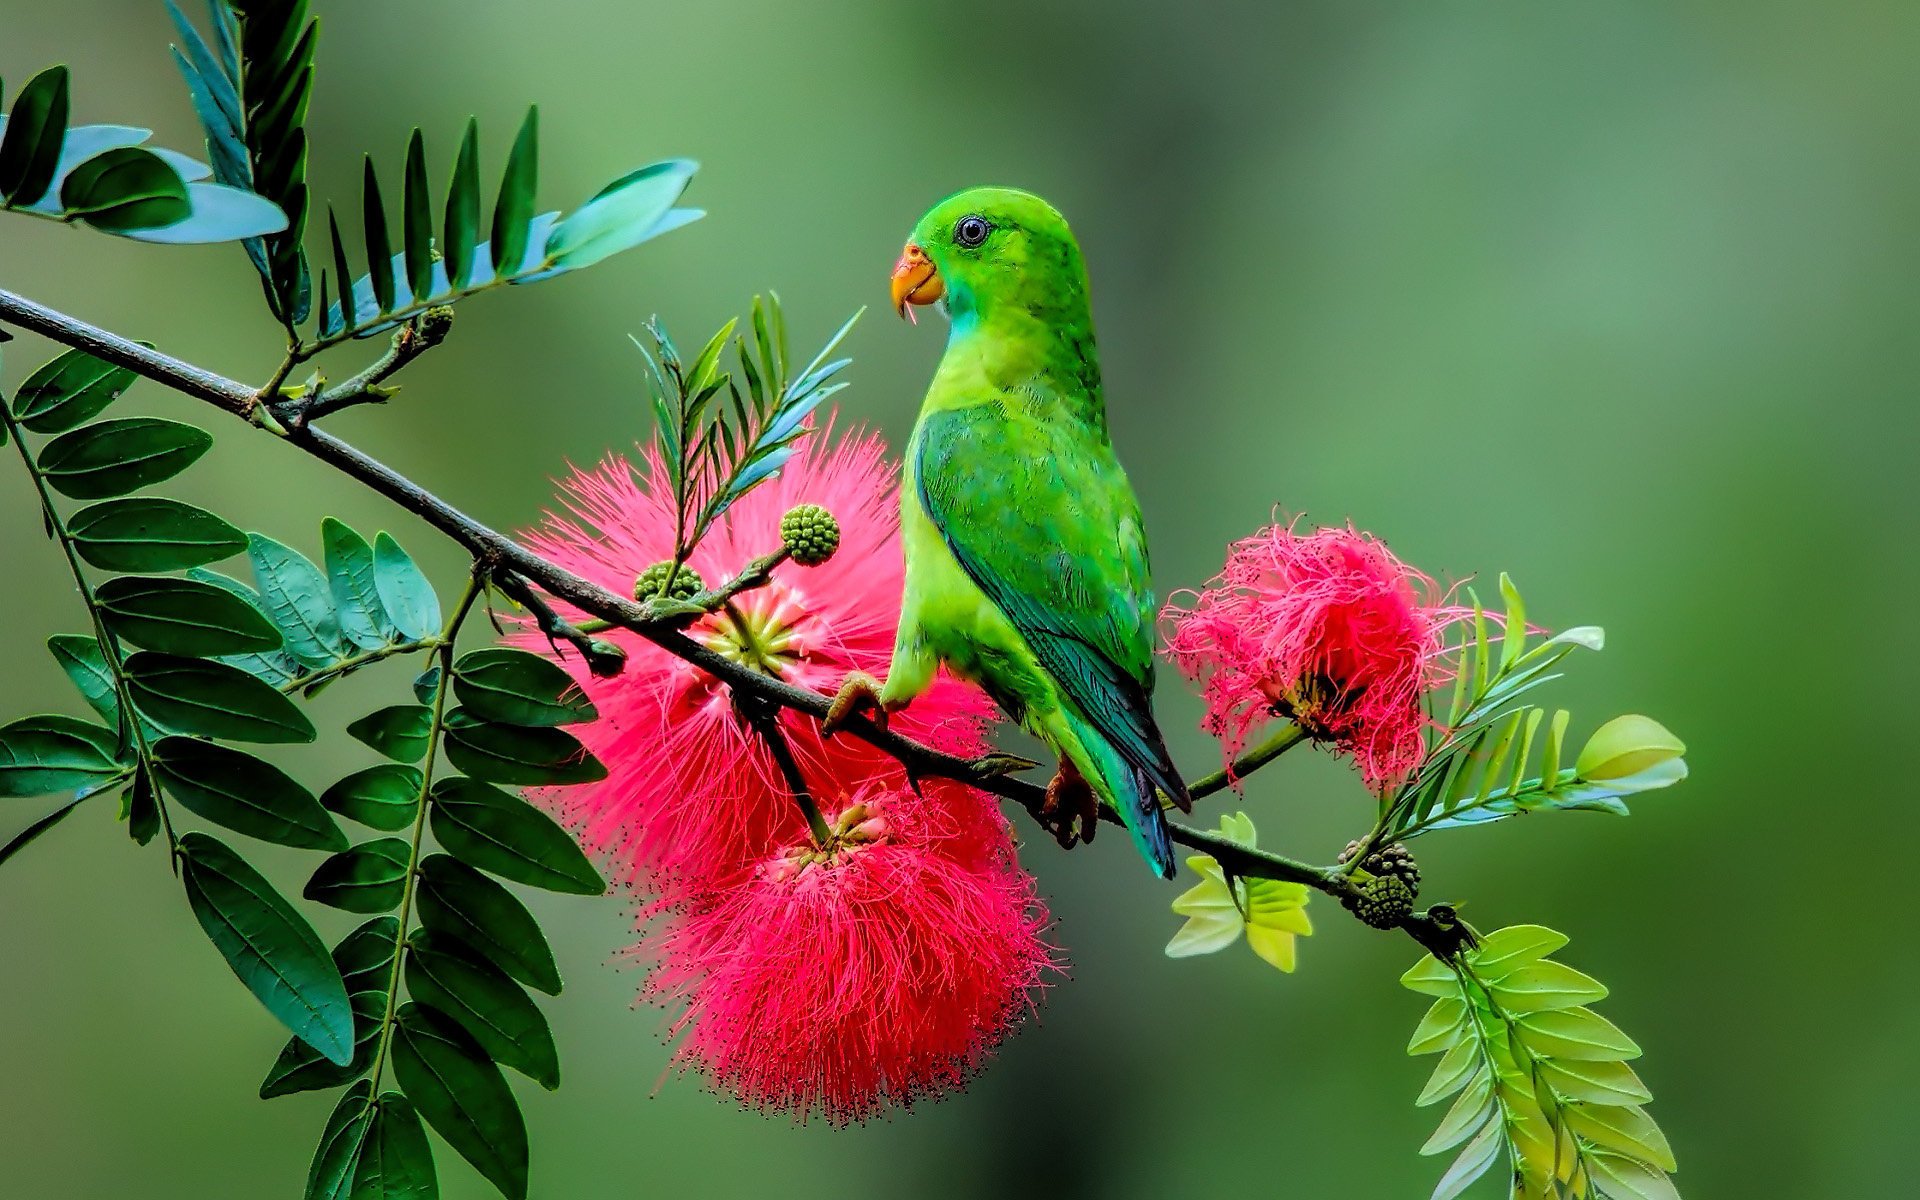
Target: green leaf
[624,214]
[270,947]
[366,879]
[404,590]
[462,1095]
[1626,1178]
[513,210]
[1455,1067]
[1540,986]
[458,900]
[1473,1108]
[341,269]
[1576,1033]
[183,616]
[1441,1029]
[485,827]
[402,732]
[1627,746]
[276,667]
[512,754]
[115,457]
[517,688]
[149,533]
[1514,947]
[379,250]
[1595,1082]
[356,591]
[20,841]
[463,209]
[300,1068]
[1431,977]
[298,599]
[386,797]
[330,1177]
[142,803]
[1473,1162]
[51,753]
[395,1161]
[455,979]
[36,129]
[244,793]
[416,220]
[68,391]
[213,699]
[80,657]
[365,956]
[124,189]
[1625,1128]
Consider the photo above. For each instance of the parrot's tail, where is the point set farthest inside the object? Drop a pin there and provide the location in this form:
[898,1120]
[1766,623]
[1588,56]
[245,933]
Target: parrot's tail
[1131,791]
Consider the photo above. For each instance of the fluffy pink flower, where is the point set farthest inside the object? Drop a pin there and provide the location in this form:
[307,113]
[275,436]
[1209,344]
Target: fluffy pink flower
[691,792]
[1328,628]
[879,973]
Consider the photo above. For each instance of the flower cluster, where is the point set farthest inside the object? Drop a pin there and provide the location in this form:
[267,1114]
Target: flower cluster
[1326,628]
[829,980]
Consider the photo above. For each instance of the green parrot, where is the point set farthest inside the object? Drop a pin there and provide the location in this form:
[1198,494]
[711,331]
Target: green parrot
[1026,558]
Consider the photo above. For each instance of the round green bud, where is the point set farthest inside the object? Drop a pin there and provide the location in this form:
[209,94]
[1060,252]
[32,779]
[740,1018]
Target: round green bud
[652,583]
[810,534]
[1382,901]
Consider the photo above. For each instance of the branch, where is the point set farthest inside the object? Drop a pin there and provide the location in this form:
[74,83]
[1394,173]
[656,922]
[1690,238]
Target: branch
[410,341]
[508,559]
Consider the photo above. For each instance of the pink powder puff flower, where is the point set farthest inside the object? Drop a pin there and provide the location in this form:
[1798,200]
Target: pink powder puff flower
[1327,628]
[691,792]
[876,973]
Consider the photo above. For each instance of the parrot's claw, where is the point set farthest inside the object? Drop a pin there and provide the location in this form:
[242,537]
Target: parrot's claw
[1071,812]
[991,766]
[859,695]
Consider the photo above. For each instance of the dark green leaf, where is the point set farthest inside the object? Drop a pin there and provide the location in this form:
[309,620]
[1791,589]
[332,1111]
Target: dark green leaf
[80,657]
[513,210]
[36,129]
[215,102]
[408,597]
[366,879]
[213,699]
[45,754]
[244,793]
[341,269]
[518,688]
[373,214]
[416,220]
[356,593]
[463,209]
[67,391]
[21,840]
[277,667]
[127,188]
[112,458]
[300,1068]
[426,685]
[365,956]
[395,1161]
[458,900]
[296,595]
[512,754]
[183,616]
[386,797]
[269,946]
[148,533]
[142,803]
[487,828]
[401,731]
[330,1177]
[455,979]
[462,1095]
[626,213]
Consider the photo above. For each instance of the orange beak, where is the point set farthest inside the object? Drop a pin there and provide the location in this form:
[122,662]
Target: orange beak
[915,281]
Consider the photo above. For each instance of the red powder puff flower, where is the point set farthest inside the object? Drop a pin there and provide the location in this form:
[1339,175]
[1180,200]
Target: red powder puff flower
[1328,628]
[875,973]
[691,792]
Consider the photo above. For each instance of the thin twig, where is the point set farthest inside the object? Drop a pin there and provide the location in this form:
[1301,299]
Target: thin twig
[508,555]
[410,341]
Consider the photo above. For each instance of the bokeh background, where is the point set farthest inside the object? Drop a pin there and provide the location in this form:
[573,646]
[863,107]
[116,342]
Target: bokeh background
[1617,298]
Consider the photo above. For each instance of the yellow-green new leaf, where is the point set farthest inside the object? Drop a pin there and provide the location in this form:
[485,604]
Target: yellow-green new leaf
[1625,747]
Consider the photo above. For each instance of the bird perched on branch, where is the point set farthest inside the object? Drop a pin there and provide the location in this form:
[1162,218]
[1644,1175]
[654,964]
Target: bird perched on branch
[1026,558]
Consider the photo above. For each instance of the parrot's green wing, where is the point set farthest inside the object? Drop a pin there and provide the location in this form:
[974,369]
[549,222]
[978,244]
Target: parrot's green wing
[1043,522]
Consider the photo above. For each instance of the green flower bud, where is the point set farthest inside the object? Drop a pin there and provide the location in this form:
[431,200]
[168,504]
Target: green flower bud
[810,534]
[652,583]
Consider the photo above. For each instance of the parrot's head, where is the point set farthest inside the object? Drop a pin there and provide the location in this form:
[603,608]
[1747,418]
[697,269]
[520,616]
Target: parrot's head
[987,248]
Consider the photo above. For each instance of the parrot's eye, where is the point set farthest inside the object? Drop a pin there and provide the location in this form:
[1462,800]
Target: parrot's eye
[970,232]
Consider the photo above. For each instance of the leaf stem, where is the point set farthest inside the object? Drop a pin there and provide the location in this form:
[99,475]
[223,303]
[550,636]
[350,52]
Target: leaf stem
[356,661]
[444,645]
[1284,739]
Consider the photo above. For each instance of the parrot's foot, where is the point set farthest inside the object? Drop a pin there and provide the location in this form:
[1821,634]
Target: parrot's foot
[859,695]
[1071,812]
[991,766]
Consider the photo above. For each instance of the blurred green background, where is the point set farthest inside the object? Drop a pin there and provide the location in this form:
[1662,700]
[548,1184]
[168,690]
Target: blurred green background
[1617,298]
